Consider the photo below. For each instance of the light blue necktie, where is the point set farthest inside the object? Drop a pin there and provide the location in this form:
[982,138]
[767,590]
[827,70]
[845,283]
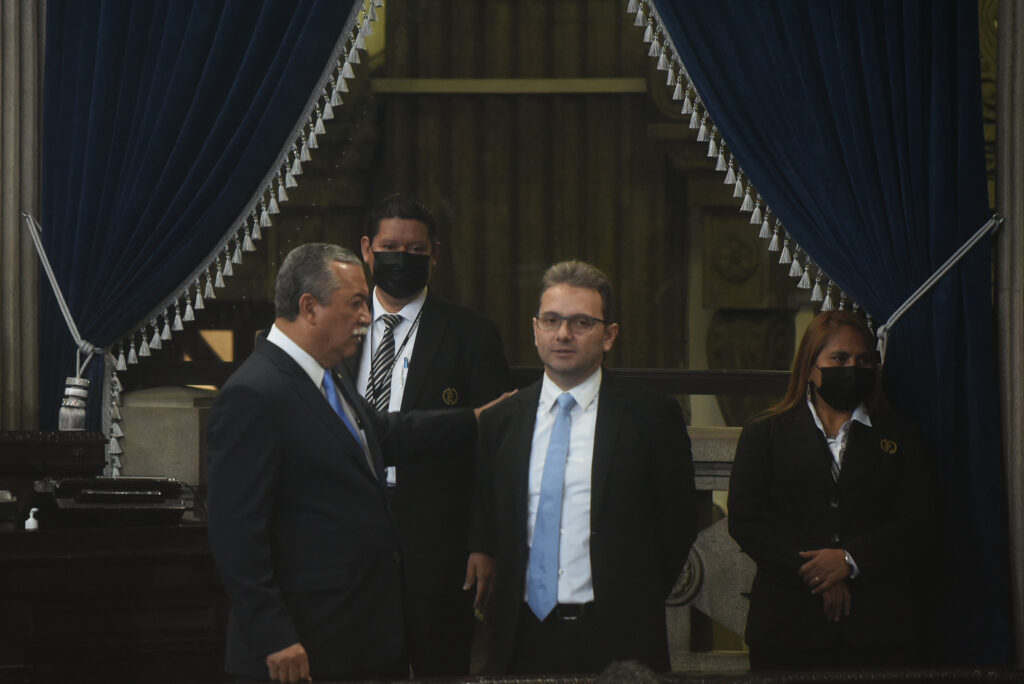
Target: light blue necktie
[542,574]
[334,400]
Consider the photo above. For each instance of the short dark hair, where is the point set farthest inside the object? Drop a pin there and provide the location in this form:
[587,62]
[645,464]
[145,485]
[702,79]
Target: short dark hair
[582,275]
[400,206]
[307,268]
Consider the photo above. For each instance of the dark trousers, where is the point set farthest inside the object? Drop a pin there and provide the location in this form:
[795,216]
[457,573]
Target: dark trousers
[557,646]
[440,633]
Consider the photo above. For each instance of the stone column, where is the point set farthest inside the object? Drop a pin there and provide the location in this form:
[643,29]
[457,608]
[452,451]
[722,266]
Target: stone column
[22,24]
[1010,284]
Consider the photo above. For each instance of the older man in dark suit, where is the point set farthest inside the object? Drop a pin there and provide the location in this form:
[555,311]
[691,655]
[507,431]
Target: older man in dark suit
[426,353]
[585,498]
[298,514]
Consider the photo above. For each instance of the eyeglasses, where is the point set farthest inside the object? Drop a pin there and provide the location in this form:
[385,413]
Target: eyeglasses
[580,324]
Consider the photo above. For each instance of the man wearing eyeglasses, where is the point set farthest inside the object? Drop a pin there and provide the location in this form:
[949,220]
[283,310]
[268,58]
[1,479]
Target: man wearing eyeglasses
[585,498]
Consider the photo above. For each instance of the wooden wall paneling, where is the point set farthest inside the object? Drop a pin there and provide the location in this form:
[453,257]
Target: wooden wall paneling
[567,40]
[535,38]
[534,140]
[466,47]
[466,267]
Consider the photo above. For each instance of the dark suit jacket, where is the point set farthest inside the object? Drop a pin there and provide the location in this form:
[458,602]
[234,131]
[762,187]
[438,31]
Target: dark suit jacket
[457,361]
[783,500]
[642,516]
[299,523]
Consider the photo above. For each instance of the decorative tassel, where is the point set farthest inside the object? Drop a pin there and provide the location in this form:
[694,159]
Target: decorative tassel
[289,179]
[133,358]
[296,169]
[156,344]
[785,257]
[641,21]
[343,85]
[737,190]
[236,258]
[115,412]
[336,100]
[730,175]
[826,303]
[360,41]
[346,71]
[632,7]
[353,55]
[190,314]
[247,245]
[816,295]
[765,230]
[720,165]
[712,145]
[114,449]
[121,364]
[773,246]
[795,270]
[373,11]
[366,28]
[257,234]
[671,78]
[219,282]
[871,324]
[165,334]
[755,216]
[677,92]
[178,326]
[655,48]
[143,346]
[687,102]
[264,221]
[702,134]
[748,204]
[319,128]
[805,278]
[282,196]
[842,301]
[272,208]
[663,61]
[694,119]
[303,154]
[312,144]
[329,109]
[115,430]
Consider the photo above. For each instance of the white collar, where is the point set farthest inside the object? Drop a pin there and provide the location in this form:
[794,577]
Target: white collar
[860,414]
[409,312]
[308,364]
[584,393]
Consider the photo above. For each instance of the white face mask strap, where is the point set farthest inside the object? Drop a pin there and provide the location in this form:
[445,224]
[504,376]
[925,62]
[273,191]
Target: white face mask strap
[883,330]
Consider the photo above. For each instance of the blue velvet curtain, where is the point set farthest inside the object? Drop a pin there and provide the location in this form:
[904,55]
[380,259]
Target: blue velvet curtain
[161,122]
[859,122]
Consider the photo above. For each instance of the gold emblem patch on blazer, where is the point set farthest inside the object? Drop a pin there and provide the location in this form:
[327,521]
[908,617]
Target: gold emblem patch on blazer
[450,396]
[889,446]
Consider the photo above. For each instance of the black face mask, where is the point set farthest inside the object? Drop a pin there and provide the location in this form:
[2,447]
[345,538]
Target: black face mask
[844,387]
[401,274]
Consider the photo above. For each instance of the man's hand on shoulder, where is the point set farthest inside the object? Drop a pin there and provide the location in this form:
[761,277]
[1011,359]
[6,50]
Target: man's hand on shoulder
[290,664]
[480,409]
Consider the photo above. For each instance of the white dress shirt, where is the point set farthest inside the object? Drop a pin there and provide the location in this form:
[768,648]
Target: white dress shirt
[837,445]
[404,332]
[575,582]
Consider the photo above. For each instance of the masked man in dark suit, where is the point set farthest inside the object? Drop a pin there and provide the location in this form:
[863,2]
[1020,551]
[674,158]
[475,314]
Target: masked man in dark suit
[585,498]
[423,352]
[298,514]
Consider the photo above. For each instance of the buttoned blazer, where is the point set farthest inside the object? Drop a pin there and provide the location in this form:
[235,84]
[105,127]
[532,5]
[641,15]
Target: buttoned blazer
[458,361]
[783,500]
[642,516]
[298,519]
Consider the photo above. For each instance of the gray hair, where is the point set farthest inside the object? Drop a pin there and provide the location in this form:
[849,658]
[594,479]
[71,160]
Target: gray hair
[583,275]
[307,268]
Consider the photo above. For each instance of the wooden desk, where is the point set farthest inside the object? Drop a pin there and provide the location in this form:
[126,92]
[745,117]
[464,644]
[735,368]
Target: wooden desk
[111,605]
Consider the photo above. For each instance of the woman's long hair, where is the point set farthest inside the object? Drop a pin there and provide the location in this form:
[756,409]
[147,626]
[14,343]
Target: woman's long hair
[814,340]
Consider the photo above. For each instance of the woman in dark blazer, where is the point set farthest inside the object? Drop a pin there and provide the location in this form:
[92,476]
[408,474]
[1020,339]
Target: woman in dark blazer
[829,496]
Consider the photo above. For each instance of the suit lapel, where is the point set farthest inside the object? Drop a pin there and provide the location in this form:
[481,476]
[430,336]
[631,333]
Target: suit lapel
[314,400]
[520,449]
[429,333]
[610,409]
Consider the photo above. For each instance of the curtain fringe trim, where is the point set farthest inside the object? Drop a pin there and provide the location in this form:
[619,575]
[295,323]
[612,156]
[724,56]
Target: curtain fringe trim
[648,17]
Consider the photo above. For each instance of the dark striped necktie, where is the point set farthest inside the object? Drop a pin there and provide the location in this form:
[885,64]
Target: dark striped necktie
[382,364]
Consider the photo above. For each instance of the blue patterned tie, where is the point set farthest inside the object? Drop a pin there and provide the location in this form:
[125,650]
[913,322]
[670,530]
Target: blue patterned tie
[542,574]
[335,401]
